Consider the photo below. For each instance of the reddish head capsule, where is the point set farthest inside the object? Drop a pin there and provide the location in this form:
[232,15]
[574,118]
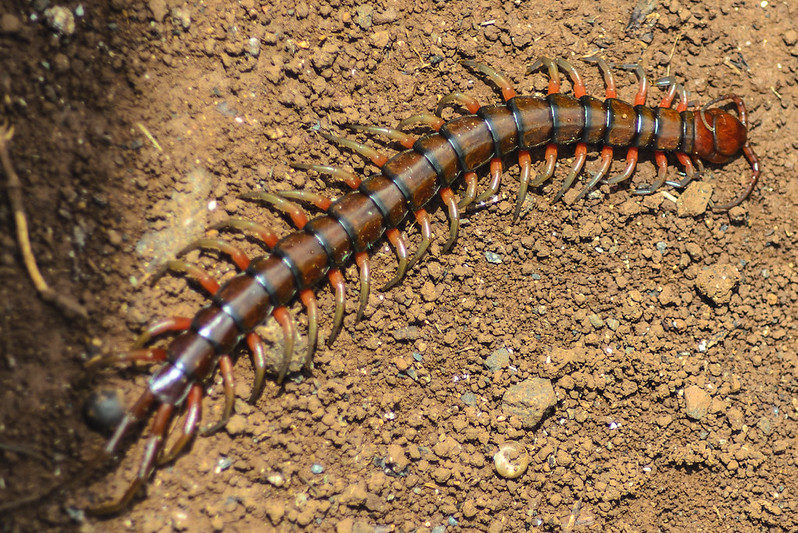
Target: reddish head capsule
[723,141]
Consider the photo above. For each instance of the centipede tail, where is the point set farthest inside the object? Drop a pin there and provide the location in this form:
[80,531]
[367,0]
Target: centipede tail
[430,169]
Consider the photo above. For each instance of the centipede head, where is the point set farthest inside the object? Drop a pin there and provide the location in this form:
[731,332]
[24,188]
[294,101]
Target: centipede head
[719,135]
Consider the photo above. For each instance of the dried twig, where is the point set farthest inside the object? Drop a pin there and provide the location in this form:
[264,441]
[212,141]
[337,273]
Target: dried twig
[65,303]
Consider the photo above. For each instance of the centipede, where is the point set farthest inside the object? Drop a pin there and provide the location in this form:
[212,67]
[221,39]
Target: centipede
[428,170]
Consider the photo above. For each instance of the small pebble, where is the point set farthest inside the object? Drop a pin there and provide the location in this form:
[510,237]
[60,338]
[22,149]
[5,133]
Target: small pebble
[60,19]
[181,18]
[253,46]
[493,258]
[10,24]
[498,360]
[468,398]
[316,468]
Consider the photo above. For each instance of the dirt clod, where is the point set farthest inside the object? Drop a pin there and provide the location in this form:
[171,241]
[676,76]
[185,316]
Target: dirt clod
[530,400]
[696,402]
[716,282]
[694,200]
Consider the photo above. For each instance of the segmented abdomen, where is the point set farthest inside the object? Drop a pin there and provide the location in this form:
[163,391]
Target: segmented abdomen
[408,182]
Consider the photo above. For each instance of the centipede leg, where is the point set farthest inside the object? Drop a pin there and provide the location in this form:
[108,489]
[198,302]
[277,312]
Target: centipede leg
[610,91]
[264,234]
[428,119]
[368,152]
[192,272]
[580,156]
[499,80]
[525,165]
[422,218]
[689,172]
[297,215]
[141,355]
[551,148]
[349,178]
[236,255]
[640,99]
[190,425]
[662,174]
[312,307]
[470,180]
[226,371]
[580,152]
[454,217]
[398,242]
[495,180]
[362,260]
[283,318]
[339,290]
[315,199]
[148,461]
[457,98]
[258,351]
[659,156]
[166,325]
[400,137]
[548,169]
[606,162]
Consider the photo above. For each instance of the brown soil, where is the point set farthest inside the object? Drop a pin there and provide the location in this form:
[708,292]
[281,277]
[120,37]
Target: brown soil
[670,341]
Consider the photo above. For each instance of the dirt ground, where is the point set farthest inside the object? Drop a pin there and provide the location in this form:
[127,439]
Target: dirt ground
[661,348]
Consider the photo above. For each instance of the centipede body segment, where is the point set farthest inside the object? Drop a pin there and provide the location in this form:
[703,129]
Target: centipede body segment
[430,166]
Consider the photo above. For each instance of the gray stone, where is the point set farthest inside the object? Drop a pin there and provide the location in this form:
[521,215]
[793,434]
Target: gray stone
[498,359]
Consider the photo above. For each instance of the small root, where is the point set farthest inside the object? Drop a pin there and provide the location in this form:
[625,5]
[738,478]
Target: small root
[67,304]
